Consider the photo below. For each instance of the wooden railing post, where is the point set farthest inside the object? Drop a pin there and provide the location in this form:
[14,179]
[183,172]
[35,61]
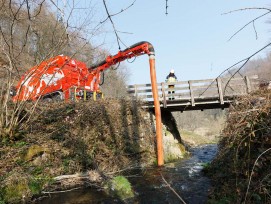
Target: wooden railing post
[135,91]
[191,93]
[248,84]
[220,92]
[164,95]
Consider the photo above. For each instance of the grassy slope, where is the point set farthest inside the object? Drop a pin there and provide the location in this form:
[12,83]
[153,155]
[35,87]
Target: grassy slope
[194,139]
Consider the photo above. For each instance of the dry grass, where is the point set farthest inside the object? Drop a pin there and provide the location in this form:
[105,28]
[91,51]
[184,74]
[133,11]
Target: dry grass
[194,139]
[241,171]
[66,138]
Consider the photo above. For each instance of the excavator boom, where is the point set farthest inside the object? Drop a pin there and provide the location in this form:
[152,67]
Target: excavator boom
[135,50]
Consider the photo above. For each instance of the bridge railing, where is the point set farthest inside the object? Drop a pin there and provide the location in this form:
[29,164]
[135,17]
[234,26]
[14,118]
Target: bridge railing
[194,92]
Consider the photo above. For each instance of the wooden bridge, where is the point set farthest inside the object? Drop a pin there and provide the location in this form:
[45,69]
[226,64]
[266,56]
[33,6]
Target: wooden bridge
[195,94]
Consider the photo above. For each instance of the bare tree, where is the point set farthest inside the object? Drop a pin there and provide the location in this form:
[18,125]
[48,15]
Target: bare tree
[30,32]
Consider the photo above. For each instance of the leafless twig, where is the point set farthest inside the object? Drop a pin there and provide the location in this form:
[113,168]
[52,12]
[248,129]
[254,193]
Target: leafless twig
[122,10]
[253,171]
[172,189]
[54,192]
[115,30]
[243,62]
[166,7]
[250,22]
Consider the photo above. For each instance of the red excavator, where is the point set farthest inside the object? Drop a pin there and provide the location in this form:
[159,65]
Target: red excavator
[63,78]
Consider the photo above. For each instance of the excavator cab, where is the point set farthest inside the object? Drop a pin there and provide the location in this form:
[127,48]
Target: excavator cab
[52,80]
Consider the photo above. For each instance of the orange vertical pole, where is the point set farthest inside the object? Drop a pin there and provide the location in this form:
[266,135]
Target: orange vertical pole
[159,139]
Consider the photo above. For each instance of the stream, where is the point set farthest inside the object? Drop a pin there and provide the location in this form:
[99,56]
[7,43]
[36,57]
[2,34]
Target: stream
[184,176]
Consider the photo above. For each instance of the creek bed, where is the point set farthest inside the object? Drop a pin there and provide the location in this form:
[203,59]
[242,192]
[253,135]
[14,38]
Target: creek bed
[184,176]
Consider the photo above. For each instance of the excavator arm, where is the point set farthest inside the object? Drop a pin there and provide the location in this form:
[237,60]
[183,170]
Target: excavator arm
[135,50]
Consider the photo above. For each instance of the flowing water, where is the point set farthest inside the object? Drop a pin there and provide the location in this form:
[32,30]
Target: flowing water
[156,185]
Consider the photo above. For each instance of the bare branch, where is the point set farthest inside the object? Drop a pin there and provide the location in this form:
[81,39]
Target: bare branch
[166,7]
[113,25]
[250,22]
[25,41]
[38,12]
[124,32]
[64,191]
[243,61]
[246,61]
[245,9]
[253,171]
[109,17]
[122,10]
[28,10]
[255,30]
[172,189]
[56,5]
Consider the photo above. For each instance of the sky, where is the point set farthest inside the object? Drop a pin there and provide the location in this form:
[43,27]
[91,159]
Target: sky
[193,39]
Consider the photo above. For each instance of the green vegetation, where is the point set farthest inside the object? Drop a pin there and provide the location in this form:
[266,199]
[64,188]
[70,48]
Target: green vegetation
[16,191]
[120,187]
[34,150]
[36,185]
[20,143]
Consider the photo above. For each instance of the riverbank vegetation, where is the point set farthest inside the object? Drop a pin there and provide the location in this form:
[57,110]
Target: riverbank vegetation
[91,142]
[241,172]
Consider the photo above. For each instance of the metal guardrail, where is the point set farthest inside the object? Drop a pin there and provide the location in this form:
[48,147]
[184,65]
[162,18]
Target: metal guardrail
[195,93]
